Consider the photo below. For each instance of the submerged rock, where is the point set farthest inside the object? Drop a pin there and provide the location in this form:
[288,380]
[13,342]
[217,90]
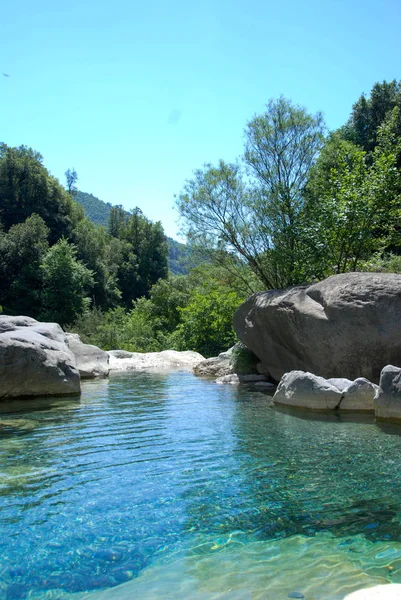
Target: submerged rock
[91,360]
[120,360]
[303,389]
[387,402]
[344,326]
[35,359]
[390,591]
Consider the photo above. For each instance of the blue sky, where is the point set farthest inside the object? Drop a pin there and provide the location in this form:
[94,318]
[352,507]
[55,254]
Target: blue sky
[136,95]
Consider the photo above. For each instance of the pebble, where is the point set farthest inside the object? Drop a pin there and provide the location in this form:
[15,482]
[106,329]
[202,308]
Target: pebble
[295,595]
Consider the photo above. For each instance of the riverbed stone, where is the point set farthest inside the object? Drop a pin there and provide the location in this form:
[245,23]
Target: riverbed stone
[91,361]
[345,326]
[387,402]
[303,389]
[121,360]
[359,395]
[232,379]
[341,383]
[35,359]
[390,591]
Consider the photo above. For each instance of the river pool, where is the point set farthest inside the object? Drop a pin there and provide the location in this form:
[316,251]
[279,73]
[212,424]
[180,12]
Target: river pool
[159,486]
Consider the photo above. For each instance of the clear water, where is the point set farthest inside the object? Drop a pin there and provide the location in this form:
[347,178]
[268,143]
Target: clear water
[168,486]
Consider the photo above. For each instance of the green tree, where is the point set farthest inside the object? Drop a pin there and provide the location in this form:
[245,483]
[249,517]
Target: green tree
[65,284]
[207,322]
[26,188]
[354,206]
[258,220]
[21,252]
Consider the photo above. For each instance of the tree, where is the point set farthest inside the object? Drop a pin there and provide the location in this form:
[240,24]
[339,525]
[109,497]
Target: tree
[65,284]
[26,187]
[368,114]
[21,252]
[71,179]
[355,205]
[258,220]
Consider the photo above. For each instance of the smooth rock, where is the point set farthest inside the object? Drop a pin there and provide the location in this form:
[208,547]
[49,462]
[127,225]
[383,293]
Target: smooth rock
[340,383]
[35,359]
[345,326]
[91,360]
[120,360]
[390,591]
[359,395]
[387,402]
[232,379]
[217,366]
[306,390]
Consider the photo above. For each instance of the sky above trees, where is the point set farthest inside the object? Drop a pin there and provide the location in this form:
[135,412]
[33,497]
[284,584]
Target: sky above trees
[136,96]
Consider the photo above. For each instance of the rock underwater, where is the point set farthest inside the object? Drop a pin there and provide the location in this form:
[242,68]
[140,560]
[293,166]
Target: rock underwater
[347,326]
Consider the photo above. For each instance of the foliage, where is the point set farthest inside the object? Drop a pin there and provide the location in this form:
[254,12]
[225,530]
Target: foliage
[26,188]
[65,284]
[207,322]
[258,220]
[368,114]
[21,252]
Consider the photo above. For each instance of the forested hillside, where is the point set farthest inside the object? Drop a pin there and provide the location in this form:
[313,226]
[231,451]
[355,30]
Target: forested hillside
[179,256]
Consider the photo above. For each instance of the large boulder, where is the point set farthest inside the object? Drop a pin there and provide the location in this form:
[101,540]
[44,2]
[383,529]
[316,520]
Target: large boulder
[120,360]
[35,359]
[305,390]
[387,402]
[91,360]
[348,326]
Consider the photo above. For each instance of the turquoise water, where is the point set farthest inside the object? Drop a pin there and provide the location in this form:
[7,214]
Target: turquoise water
[168,486]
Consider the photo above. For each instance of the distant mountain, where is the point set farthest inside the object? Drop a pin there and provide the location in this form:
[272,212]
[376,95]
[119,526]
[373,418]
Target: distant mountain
[95,209]
[98,211]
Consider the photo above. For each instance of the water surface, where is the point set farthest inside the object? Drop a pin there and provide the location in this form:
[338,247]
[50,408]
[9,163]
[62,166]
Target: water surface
[168,486]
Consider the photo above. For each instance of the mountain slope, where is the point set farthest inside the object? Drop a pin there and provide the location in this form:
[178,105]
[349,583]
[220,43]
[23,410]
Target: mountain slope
[98,211]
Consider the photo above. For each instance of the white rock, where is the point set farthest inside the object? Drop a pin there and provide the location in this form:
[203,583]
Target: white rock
[120,360]
[232,379]
[303,389]
[341,383]
[390,591]
[359,395]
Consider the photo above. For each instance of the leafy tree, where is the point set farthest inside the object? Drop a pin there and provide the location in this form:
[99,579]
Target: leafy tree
[207,323]
[92,246]
[65,284]
[259,220]
[368,114]
[26,188]
[355,206]
[21,252]
[71,177]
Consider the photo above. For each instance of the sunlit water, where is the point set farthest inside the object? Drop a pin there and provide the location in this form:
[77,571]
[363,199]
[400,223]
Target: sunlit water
[168,486]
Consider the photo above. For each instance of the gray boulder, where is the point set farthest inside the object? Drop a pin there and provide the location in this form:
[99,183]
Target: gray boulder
[120,360]
[387,402]
[238,359]
[359,395]
[91,360]
[348,326]
[306,390]
[217,366]
[35,359]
